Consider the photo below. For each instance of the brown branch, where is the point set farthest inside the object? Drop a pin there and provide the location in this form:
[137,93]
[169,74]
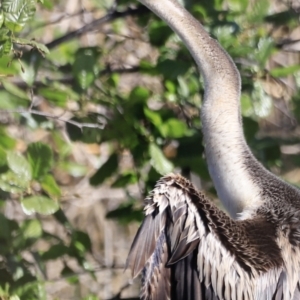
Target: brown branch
[113,15]
[70,79]
[58,117]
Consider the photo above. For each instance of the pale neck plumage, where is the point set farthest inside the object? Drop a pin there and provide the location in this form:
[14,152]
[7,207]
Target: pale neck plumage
[226,148]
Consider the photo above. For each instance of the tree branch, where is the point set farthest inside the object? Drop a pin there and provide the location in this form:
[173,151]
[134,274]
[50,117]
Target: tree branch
[70,79]
[113,15]
[58,117]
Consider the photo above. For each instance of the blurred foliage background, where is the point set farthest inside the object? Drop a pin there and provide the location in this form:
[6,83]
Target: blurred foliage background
[98,99]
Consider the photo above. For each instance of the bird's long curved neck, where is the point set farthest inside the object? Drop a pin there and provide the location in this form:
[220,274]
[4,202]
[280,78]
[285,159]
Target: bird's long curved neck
[227,154]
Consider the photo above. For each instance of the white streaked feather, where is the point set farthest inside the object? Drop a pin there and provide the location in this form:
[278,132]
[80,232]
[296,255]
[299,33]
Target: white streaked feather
[217,267]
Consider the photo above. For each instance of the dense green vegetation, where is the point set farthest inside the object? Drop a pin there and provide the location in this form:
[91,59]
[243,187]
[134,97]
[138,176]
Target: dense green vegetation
[62,88]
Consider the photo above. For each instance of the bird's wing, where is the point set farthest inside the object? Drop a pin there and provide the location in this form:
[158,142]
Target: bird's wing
[188,249]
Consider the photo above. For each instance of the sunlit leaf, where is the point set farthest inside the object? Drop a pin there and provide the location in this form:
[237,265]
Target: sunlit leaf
[39,204]
[158,160]
[285,71]
[238,5]
[32,229]
[139,94]
[13,183]
[50,186]
[27,73]
[5,47]
[40,158]
[246,105]
[6,142]
[14,90]
[264,50]
[74,169]
[19,165]
[85,67]
[153,116]
[262,102]
[17,13]
[173,128]
[55,96]
[1,19]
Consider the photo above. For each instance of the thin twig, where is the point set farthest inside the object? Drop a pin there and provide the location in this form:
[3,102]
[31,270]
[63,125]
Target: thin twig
[112,15]
[58,117]
[70,79]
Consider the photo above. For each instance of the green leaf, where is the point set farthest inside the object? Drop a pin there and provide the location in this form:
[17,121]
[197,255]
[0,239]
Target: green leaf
[1,19]
[81,241]
[5,231]
[173,128]
[28,73]
[56,251]
[32,229]
[40,158]
[124,180]
[5,47]
[39,204]
[13,183]
[3,160]
[285,71]
[262,102]
[85,67]
[159,32]
[171,69]
[246,105]
[258,12]
[105,171]
[138,94]
[85,134]
[25,42]
[54,95]
[153,116]
[74,169]
[14,90]
[70,275]
[250,127]
[17,13]
[19,165]
[238,5]
[6,142]
[282,18]
[265,48]
[158,160]
[4,34]
[50,186]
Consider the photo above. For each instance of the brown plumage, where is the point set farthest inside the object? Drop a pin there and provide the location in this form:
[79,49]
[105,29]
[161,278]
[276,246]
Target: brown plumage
[188,249]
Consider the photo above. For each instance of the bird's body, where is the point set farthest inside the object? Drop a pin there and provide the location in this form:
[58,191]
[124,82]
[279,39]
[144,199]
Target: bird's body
[189,249]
